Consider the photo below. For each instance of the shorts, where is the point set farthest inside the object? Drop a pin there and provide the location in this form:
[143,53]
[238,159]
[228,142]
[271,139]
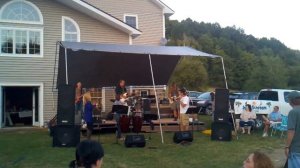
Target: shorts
[184,120]
[174,105]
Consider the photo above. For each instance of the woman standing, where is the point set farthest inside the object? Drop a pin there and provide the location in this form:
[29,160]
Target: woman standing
[88,114]
[247,119]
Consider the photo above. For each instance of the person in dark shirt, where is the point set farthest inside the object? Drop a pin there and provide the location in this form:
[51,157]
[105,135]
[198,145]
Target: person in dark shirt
[88,114]
[120,89]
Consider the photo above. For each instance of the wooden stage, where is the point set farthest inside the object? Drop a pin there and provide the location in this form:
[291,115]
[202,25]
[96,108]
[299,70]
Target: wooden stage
[168,125]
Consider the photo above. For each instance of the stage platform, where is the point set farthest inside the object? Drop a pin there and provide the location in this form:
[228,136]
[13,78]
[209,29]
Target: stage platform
[168,125]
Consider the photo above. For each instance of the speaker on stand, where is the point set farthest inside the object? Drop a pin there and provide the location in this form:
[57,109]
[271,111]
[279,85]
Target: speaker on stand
[66,133]
[221,128]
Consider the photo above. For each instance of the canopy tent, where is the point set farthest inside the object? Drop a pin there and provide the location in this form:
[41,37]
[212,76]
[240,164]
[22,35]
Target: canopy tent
[99,65]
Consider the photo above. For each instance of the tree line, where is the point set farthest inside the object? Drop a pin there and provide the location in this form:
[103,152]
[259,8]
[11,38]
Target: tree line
[251,63]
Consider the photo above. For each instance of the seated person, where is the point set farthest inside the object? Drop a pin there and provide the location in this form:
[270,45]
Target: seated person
[274,116]
[247,119]
[88,154]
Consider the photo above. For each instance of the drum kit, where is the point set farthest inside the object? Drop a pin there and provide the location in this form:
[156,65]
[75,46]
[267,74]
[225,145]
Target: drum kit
[133,116]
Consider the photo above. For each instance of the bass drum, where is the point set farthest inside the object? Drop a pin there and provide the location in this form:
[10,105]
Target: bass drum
[124,123]
[137,123]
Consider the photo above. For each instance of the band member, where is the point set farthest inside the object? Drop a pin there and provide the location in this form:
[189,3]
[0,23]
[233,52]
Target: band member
[184,106]
[78,99]
[174,104]
[121,93]
[88,114]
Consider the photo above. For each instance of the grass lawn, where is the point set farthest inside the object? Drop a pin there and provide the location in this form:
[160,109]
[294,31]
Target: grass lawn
[32,148]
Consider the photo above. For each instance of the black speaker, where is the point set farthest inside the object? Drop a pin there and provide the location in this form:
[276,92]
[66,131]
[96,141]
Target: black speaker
[137,140]
[66,135]
[66,105]
[221,131]
[221,112]
[183,136]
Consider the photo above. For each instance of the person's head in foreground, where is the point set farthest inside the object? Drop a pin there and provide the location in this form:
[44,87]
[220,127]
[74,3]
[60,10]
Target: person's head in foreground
[89,154]
[258,160]
[294,98]
[122,83]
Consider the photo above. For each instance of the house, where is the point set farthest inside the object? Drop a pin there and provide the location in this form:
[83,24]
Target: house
[30,29]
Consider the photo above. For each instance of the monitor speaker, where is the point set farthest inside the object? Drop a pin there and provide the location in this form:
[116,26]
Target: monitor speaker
[66,135]
[221,131]
[137,140]
[221,112]
[181,136]
[66,105]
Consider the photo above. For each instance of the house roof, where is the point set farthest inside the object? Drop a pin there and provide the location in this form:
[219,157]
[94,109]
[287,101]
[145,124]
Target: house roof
[166,9]
[100,15]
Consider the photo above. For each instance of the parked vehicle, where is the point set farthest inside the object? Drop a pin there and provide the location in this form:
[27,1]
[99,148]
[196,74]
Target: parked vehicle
[241,95]
[266,100]
[204,103]
[193,95]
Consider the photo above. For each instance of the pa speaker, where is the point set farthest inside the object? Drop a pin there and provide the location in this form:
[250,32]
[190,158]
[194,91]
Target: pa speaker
[135,141]
[221,112]
[221,131]
[181,136]
[66,135]
[66,105]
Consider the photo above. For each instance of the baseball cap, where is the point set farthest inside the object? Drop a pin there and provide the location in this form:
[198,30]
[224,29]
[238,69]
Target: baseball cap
[294,95]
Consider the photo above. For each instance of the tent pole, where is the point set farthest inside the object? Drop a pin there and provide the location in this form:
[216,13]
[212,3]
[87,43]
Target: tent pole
[66,62]
[224,72]
[232,117]
[156,100]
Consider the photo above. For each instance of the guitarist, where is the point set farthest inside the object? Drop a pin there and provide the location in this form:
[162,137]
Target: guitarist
[121,95]
[173,99]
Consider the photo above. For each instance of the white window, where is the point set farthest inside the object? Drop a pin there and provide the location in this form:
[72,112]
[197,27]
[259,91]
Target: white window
[21,40]
[70,30]
[131,20]
[18,11]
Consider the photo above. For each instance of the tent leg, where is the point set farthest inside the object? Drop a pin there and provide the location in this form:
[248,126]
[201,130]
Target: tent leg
[224,72]
[66,62]
[156,100]
[226,84]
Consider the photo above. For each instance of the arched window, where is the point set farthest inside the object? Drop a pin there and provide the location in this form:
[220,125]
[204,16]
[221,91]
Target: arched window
[17,39]
[70,30]
[21,12]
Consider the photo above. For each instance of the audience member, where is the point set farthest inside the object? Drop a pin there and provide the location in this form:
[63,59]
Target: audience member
[274,116]
[258,160]
[292,148]
[89,154]
[247,119]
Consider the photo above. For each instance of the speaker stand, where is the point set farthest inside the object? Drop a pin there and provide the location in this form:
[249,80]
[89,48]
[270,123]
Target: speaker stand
[234,126]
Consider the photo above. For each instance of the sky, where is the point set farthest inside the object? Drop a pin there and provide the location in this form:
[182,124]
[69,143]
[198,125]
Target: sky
[261,18]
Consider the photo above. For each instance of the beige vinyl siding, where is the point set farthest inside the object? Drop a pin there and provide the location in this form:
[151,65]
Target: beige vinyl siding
[150,17]
[30,70]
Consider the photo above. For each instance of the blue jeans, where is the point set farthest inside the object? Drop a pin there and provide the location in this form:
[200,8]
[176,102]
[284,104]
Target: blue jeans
[79,108]
[118,131]
[294,160]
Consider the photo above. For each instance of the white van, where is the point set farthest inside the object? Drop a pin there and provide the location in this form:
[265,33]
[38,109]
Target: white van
[266,100]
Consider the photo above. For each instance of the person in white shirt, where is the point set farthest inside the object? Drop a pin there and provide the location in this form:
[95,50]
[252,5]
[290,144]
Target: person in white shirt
[247,119]
[184,106]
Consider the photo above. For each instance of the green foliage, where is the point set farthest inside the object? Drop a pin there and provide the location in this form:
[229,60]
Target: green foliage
[251,63]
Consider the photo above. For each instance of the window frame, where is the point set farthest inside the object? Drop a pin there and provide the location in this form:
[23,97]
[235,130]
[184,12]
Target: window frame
[41,22]
[27,29]
[136,19]
[63,19]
